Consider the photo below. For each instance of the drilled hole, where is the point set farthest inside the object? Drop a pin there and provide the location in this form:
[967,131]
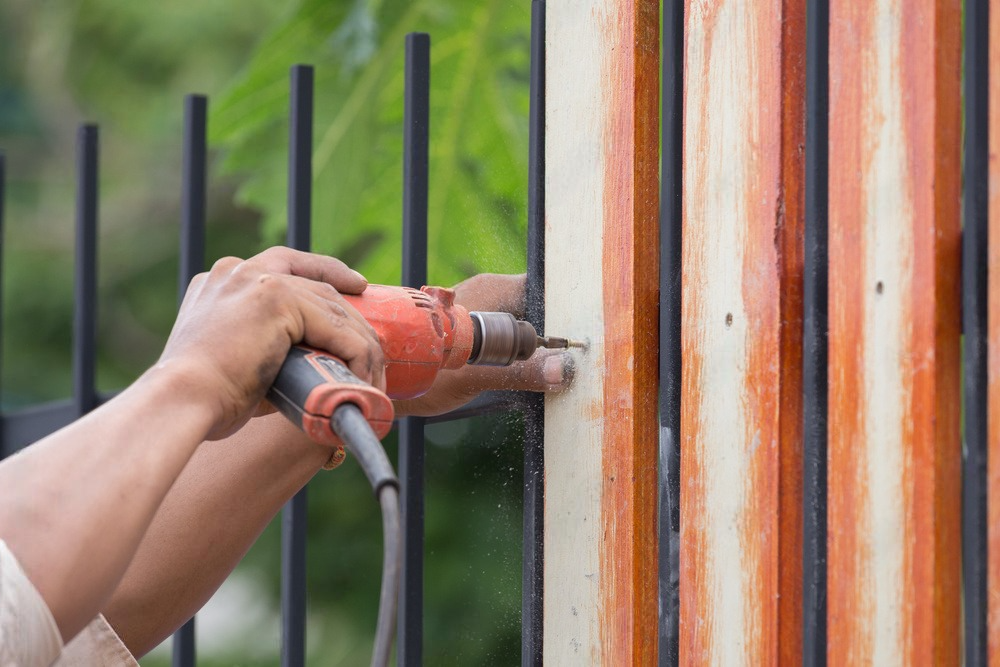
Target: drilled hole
[729,320]
[879,287]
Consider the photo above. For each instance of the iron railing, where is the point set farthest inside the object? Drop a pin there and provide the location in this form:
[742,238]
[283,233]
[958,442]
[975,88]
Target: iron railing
[22,427]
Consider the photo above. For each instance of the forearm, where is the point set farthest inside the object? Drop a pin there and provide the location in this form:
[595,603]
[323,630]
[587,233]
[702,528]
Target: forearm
[218,507]
[76,505]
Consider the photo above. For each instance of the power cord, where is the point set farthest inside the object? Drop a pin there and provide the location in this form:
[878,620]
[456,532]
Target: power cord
[352,428]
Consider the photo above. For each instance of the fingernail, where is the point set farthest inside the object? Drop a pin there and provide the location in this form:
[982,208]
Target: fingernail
[557,369]
[360,277]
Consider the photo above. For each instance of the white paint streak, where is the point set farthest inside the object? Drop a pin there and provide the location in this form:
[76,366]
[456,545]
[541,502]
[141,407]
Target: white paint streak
[576,117]
[888,244]
[722,133]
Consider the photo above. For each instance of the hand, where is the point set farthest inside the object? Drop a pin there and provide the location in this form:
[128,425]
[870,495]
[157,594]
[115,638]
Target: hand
[238,321]
[546,370]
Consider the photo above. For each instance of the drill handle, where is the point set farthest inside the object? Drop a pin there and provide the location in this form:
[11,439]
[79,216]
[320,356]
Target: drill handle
[312,384]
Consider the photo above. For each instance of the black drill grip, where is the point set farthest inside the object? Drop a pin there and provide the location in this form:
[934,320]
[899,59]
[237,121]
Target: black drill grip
[312,384]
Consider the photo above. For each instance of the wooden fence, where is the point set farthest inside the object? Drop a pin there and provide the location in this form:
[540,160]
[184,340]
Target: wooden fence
[820,349]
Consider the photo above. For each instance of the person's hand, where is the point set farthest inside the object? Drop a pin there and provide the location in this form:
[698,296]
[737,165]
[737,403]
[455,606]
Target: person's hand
[546,370]
[238,321]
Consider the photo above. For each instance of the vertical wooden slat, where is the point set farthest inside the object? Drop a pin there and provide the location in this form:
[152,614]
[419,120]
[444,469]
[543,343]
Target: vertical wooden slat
[601,201]
[894,473]
[993,348]
[741,401]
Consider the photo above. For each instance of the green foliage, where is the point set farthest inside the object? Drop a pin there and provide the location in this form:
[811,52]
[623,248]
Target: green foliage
[478,143]
[125,65]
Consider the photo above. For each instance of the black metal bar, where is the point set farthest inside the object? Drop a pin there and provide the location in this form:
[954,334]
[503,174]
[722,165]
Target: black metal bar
[532,548]
[293,520]
[193,190]
[85,287]
[814,353]
[669,484]
[192,262]
[975,260]
[300,139]
[3,194]
[416,136]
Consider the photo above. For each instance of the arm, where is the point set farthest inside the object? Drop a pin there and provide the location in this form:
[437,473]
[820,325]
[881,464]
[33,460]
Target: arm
[76,506]
[230,490]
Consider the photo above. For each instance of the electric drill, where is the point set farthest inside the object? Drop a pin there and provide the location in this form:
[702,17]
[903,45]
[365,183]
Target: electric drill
[421,332]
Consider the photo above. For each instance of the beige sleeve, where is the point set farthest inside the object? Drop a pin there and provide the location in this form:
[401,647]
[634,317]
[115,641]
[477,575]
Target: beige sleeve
[96,646]
[29,636]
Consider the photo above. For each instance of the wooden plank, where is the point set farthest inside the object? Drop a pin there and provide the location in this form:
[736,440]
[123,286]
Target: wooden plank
[601,206]
[741,430]
[894,474]
[993,418]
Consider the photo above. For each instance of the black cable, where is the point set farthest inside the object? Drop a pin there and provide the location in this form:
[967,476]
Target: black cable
[352,428]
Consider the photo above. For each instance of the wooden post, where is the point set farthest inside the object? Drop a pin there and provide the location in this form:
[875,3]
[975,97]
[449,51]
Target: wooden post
[601,207]
[741,406]
[894,451]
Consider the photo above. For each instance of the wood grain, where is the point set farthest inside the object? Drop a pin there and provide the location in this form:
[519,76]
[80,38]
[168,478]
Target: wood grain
[602,69]
[993,418]
[741,431]
[894,451]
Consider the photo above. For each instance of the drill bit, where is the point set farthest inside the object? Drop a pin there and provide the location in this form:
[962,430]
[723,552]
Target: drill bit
[553,342]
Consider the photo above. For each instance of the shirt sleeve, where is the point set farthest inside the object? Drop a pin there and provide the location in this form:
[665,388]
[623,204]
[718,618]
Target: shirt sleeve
[29,636]
[97,645]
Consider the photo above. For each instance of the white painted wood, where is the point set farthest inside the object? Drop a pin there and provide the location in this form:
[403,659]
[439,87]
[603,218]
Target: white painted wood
[721,138]
[888,244]
[574,184]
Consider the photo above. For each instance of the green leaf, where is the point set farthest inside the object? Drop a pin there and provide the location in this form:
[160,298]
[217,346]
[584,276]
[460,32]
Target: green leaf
[478,149]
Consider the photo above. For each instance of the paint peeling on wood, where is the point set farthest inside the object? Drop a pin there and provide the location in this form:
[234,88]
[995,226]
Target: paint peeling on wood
[741,333]
[628,547]
[894,452]
[602,69]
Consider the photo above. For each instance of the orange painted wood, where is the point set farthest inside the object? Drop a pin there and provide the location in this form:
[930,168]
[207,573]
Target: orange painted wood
[630,263]
[602,149]
[741,406]
[894,450]
[993,418]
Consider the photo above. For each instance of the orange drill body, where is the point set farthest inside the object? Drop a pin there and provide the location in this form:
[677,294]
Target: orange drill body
[421,332]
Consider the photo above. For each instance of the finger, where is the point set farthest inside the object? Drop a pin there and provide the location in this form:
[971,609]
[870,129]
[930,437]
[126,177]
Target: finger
[339,306]
[330,270]
[326,329]
[545,371]
[326,291]
[492,292]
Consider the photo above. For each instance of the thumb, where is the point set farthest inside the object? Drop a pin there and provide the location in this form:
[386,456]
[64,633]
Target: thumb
[545,371]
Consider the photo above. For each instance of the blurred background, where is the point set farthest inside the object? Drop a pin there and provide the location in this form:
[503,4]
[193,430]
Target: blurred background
[126,66]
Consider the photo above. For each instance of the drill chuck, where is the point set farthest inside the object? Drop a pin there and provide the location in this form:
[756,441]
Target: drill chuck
[499,339]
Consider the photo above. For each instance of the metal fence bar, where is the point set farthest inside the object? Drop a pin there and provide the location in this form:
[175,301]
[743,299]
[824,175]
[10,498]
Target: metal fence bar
[3,193]
[192,262]
[293,519]
[416,137]
[193,191]
[669,486]
[974,326]
[532,548]
[814,353]
[85,284]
